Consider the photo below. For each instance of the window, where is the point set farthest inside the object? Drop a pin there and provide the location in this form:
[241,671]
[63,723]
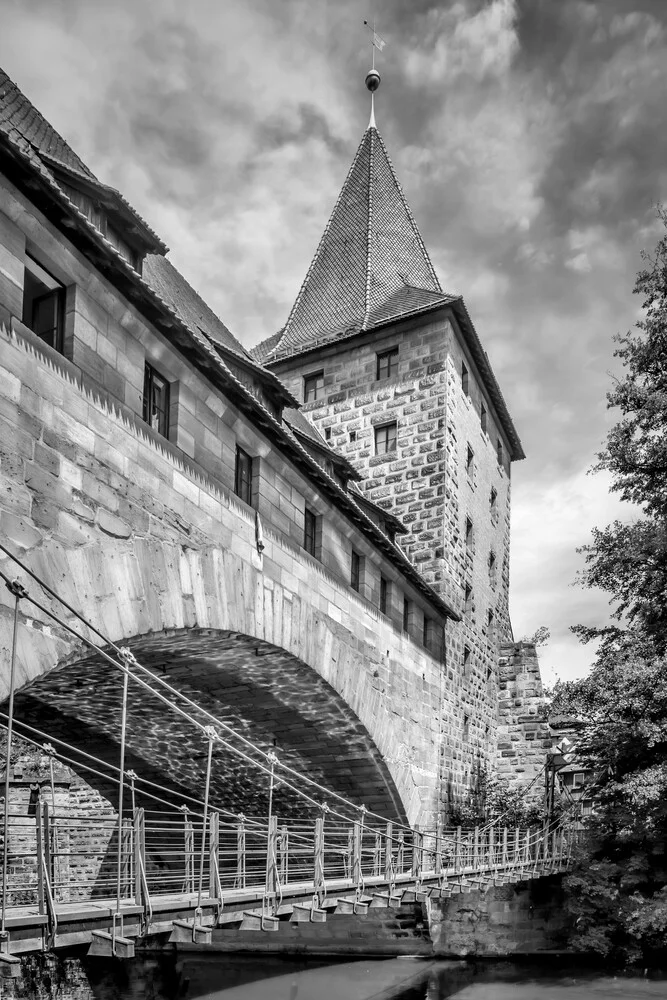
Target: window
[387,363]
[483,418]
[427,632]
[500,452]
[384,595]
[467,599]
[156,400]
[578,779]
[470,462]
[406,614]
[465,379]
[123,248]
[493,501]
[327,434]
[243,476]
[489,618]
[469,535]
[43,304]
[385,439]
[313,386]
[310,531]
[466,661]
[355,571]
[466,727]
[353,435]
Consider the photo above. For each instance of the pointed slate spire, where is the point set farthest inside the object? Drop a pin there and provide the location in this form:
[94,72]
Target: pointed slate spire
[371,263]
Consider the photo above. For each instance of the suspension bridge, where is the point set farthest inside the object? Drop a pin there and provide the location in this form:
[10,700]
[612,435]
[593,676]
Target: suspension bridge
[159,862]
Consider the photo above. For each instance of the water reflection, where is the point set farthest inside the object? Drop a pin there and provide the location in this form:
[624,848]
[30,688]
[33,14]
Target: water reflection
[234,977]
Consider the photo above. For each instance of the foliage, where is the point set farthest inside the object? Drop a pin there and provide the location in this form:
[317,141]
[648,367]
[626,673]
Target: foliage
[617,891]
[490,798]
[539,638]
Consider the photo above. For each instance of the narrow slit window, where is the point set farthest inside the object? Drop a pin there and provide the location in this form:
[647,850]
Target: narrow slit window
[501,454]
[466,661]
[310,532]
[243,476]
[483,418]
[384,593]
[465,379]
[156,400]
[470,462]
[355,571]
[406,614]
[492,568]
[467,598]
[493,501]
[469,535]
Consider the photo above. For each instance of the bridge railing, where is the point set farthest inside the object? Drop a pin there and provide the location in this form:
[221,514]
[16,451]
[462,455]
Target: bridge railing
[70,858]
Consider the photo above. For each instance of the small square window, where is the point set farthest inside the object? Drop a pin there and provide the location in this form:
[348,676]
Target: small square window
[387,363]
[470,462]
[313,386]
[156,400]
[384,595]
[327,434]
[355,571]
[310,532]
[465,379]
[43,304]
[385,439]
[353,435]
[406,614]
[578,779]
[243,476]
[466,727]
[483,418]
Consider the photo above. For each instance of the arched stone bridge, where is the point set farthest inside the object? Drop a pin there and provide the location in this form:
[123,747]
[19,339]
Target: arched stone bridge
[160,558]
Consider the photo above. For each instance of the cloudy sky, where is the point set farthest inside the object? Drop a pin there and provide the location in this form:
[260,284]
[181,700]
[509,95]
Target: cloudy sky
[530,137]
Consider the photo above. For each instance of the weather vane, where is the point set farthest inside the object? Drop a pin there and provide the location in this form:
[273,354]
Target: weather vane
[373,77]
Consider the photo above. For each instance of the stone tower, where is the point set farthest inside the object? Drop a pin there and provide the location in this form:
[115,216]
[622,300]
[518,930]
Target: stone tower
[392,374]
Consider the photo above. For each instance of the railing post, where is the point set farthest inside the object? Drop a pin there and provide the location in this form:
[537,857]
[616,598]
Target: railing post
[457,849]
[239,881]
[271,857]
[505,858]
[517,835]
[284,855]
[189,847]
[377,854]
[139,824]
[319,853]
[475,847]
[356,854]
[40,855]
[214,857]
[388,853]
[492,847]
[417,842]
[400,853]
[48,857]
[438,845]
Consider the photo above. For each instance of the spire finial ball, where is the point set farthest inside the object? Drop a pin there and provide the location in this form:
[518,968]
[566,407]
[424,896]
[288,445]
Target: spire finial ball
[372,80]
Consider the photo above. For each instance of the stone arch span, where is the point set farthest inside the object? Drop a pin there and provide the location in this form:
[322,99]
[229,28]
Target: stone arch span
[264,693]
[376,693]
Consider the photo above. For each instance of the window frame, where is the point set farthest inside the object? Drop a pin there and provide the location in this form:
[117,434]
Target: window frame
[384,594]
[500,452]
[390,355]
[465,379]
[310,521]
[243,460]
[317,378]
[150,375]
[470,462]
[379,429]
[469,535]
[355,570]
[57,293]
[483,419]
[407,607]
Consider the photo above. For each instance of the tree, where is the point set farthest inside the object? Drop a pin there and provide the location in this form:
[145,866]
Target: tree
[617,893]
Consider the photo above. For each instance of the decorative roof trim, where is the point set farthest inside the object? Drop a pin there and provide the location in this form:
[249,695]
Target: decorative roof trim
[369,224]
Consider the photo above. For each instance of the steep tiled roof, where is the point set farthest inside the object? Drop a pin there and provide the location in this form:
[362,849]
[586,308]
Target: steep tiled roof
[172,287]
[371,251]
[17,111]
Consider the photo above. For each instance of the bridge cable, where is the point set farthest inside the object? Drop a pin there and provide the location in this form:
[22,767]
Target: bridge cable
[178,694]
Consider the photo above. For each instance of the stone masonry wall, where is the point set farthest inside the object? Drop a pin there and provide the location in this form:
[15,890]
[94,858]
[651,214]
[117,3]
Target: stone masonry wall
[523,731]
[442,474]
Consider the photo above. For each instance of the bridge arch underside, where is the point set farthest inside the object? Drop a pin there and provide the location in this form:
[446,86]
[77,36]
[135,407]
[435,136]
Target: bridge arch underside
[266,694]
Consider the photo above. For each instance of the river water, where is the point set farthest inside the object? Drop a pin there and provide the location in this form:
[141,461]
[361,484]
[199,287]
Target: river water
[231,977]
